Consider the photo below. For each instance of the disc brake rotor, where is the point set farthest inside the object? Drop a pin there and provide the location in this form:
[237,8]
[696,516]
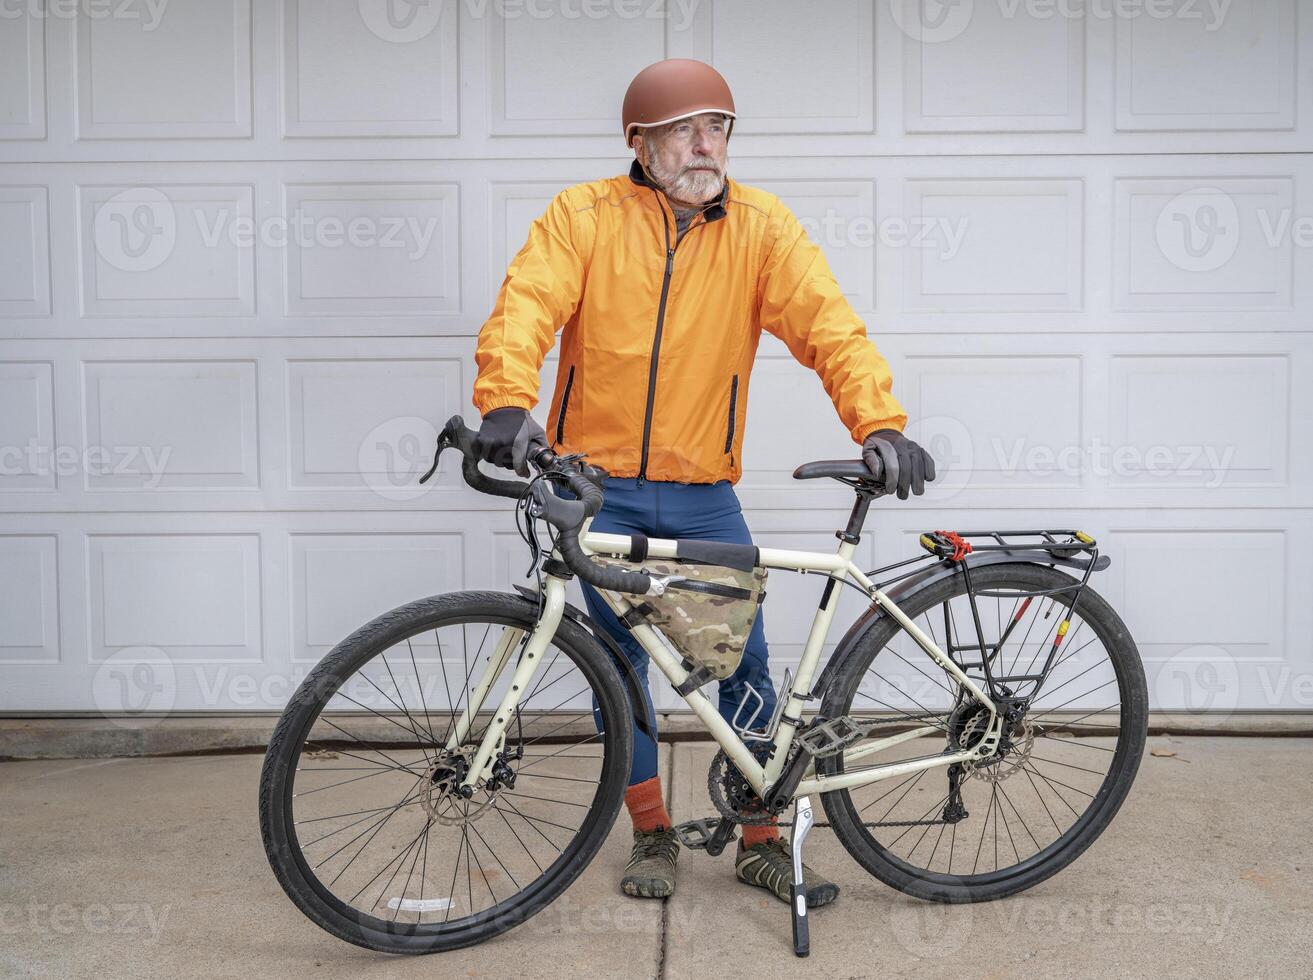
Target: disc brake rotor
[440,799]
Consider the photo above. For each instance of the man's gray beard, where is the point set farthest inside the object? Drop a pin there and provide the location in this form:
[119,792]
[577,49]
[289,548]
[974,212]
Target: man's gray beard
[693,186]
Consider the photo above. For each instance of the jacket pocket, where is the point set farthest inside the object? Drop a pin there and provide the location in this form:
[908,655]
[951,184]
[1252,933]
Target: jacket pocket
[565,403]
[733,413]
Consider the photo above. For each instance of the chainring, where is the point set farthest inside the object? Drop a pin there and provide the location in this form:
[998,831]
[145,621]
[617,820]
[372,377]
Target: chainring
[733,797]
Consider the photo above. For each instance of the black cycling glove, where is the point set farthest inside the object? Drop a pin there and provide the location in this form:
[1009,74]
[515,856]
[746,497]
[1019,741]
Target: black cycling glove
[505,437]
[906,465]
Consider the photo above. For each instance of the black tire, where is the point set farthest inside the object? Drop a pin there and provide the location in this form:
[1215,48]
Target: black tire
[300,735]
[903,856]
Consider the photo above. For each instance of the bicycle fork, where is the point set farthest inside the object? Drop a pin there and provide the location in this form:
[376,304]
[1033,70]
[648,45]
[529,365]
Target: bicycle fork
[531,657]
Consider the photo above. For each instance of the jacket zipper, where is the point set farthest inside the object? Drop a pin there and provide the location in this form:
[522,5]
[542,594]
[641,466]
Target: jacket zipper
[656,340]
[565,403]
[733,409]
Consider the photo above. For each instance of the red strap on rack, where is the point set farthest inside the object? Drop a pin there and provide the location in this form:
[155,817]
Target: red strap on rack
[961,546]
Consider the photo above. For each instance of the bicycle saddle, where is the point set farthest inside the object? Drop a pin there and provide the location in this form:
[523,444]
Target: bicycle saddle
[839,469]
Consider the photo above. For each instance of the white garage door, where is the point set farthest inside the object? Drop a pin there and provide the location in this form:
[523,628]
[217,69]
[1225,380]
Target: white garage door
[245,246]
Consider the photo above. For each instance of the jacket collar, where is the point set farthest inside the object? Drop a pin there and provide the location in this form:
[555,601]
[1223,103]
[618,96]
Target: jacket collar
[713,212]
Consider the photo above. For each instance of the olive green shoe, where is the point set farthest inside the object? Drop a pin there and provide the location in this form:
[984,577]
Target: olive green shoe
[769,865]
[650,872]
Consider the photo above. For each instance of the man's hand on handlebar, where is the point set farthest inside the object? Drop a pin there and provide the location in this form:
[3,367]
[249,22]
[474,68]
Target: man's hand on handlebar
[505,439]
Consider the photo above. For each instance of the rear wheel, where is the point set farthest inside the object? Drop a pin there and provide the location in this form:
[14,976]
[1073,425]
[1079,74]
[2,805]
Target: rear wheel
[362,820]
[984,831]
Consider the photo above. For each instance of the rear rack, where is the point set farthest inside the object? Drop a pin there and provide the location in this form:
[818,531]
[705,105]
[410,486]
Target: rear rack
[1064,543]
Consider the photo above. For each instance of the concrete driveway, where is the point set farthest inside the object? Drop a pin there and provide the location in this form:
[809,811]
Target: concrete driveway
[154,868]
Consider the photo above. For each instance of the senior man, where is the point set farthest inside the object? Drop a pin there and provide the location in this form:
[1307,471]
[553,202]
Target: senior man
[661,282]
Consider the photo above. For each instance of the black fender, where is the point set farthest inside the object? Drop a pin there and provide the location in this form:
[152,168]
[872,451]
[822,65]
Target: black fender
[644,717]
[902,592]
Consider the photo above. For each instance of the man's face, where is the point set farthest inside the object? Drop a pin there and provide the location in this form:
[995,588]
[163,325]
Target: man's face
[687,157]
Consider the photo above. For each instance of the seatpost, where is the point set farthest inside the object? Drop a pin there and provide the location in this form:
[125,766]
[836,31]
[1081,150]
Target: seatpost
[857,519]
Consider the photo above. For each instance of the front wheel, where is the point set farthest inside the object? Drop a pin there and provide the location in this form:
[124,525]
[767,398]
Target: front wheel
[360,809]
[969,833]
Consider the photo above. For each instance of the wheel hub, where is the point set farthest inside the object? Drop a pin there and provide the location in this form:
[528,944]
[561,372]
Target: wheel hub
[441,797]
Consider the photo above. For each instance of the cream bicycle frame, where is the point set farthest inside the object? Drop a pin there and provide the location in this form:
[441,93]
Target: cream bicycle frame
[838,566]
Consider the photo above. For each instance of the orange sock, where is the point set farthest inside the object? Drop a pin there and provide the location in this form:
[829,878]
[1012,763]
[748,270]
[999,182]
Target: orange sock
[646,807]
[759,834]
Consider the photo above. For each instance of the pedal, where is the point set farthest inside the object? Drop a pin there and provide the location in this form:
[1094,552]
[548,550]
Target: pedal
[697,834]
[829,737]
[709,834]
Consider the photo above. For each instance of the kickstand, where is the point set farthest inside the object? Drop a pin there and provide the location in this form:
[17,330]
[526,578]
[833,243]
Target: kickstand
[802,823]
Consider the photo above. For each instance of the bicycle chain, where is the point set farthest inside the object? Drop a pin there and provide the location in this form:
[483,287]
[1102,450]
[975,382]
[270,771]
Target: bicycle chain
[724,780]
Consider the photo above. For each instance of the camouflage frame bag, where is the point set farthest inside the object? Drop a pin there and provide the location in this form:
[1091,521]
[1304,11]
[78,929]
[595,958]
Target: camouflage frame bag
[706,612]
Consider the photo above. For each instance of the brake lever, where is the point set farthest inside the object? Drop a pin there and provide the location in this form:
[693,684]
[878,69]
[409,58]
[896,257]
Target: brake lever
[443,443]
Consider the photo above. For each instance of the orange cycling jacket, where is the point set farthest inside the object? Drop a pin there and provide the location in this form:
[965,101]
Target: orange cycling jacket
[660,331]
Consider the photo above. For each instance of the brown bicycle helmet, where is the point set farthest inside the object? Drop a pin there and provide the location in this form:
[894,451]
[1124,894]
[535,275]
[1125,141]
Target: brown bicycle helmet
[674,89]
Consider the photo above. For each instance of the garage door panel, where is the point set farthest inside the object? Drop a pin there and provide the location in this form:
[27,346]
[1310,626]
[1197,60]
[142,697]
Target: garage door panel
[1207,608]
[24,252]
[1230,412]
[29,585]
[165,250]
[170,424]
[993,73]
[1205,243]
[530,95]
[349,70]
[341,581]
[994,245]
[368,423]
[1167,75]
[185,595]
[1023,414]
[831,45]
[191,74]
[22,78]
[374,249]
[27,426]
